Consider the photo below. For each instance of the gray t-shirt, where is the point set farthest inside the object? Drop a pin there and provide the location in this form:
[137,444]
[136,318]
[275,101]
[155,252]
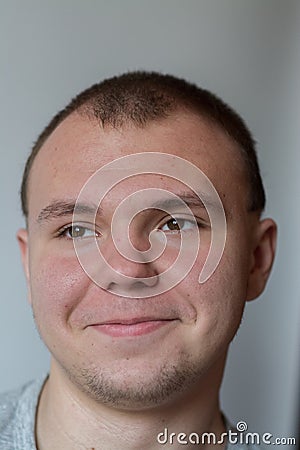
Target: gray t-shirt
[18,414]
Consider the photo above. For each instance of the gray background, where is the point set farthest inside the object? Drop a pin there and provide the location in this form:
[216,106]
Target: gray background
[247,51]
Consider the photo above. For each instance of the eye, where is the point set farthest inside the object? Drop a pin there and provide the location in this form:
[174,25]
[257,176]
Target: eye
[178,224]
[78,232]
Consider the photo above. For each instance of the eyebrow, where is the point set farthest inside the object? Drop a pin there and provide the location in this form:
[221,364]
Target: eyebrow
[57,209]
[190,199]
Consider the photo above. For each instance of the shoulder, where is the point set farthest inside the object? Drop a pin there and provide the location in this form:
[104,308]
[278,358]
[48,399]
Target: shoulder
[17,414]
[8,404]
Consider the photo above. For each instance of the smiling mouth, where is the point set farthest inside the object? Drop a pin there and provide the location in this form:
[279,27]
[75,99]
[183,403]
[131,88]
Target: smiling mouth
[131,328]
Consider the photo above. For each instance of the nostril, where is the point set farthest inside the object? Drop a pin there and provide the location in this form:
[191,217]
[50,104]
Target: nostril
[139,285]
[149,282]
[130,284]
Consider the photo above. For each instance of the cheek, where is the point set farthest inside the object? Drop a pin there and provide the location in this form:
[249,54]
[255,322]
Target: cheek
[57,285]
[219,301]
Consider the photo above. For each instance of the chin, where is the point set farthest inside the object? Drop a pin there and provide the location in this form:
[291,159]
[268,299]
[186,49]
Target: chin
[133,388]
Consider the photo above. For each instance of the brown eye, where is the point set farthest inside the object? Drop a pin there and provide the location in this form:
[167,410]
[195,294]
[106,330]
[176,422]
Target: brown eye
[177,225]
[173,225]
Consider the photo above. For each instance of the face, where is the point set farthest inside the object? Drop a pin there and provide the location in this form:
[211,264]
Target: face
[125,340]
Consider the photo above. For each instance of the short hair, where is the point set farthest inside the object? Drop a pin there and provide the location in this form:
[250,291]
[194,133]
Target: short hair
[141,97]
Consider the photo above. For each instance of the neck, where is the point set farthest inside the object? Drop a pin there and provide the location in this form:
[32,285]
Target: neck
[68,419]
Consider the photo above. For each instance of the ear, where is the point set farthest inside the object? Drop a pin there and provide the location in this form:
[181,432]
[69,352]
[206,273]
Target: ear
[22,237]
[262,258]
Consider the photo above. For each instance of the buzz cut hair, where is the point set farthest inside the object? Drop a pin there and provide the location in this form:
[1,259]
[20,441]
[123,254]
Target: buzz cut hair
[141,97]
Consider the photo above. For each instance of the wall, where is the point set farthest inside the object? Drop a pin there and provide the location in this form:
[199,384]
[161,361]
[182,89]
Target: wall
[248,53]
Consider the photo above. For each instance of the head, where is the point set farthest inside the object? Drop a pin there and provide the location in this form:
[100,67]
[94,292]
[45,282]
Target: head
[127,341]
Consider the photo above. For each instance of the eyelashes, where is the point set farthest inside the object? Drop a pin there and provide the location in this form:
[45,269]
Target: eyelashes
[78,231]
[181,224]
[169,225]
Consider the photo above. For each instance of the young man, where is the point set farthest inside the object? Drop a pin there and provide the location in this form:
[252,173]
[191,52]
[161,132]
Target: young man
[143,241]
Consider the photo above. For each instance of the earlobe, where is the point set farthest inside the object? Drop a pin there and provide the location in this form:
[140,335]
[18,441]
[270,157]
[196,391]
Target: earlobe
[263,254]
[22,237]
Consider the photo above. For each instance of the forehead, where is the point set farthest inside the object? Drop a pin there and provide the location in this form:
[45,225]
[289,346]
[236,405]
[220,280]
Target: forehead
[79,147]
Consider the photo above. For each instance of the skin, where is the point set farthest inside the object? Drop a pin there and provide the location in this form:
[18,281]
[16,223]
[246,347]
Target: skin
[138,371]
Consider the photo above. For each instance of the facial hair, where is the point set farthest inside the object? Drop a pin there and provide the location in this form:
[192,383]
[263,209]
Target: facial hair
[125,390]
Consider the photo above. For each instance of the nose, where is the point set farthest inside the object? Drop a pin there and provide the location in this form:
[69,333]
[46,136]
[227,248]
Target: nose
[126,274]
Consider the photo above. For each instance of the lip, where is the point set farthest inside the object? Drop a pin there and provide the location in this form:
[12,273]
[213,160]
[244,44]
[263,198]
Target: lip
[132,327]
